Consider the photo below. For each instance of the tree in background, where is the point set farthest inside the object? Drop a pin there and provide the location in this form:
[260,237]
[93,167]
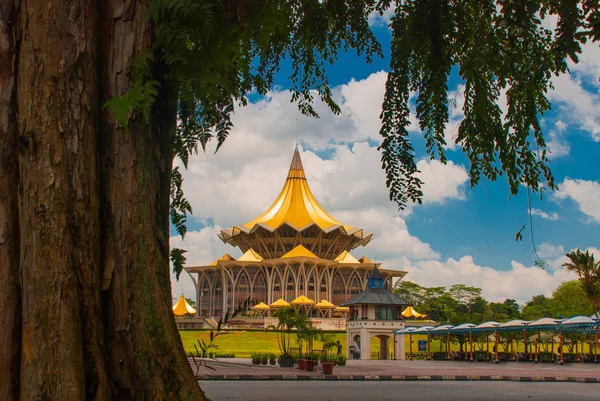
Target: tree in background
[536,308]
[588,270]
[569,299]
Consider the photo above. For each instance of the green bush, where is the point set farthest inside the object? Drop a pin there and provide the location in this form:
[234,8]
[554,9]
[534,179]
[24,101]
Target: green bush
[340,360]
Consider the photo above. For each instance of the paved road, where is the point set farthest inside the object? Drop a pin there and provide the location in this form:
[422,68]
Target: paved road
[394,391]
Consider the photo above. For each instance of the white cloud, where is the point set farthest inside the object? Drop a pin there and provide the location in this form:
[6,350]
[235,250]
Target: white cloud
[557,145]
[544,215]
[547,250]
[579,105]
[585,193]
[519,282]
[442,182]
[383,20]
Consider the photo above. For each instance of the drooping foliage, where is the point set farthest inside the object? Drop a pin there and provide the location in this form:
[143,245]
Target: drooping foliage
[500,48]
[214,53]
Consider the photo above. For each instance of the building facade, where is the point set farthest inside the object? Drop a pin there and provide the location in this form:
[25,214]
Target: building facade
[294,248]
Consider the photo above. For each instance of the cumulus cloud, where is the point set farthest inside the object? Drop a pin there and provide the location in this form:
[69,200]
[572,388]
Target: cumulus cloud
[578,104]
[520,282]
[586,194]
[544,215]
[547,250]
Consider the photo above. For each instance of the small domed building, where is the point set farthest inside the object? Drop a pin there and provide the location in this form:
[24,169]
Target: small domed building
[375,312]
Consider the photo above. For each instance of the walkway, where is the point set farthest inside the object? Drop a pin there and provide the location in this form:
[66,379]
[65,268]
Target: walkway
[242,369]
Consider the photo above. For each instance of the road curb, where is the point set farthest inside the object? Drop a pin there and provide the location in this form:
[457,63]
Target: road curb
[300,377]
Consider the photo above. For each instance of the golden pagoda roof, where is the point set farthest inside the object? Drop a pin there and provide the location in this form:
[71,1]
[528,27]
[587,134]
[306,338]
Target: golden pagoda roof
[346,257]
[299,251]
[325,304]
[295,206]
[280,303]
[224,257]
[182,307]
[302,300]
[250,256]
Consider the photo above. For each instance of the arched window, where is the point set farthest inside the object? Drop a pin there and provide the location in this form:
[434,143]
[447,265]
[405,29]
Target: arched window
[217,303]
[259,289]
[277,285]
[242,289]
[355,287]
[338,288]
[290,288]
[205,296]
[323,288]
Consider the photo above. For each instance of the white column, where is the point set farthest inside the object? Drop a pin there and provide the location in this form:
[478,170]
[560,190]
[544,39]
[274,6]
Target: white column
[399,347]
[365,344]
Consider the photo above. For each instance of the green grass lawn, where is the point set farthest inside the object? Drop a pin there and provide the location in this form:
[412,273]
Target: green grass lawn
[244,343]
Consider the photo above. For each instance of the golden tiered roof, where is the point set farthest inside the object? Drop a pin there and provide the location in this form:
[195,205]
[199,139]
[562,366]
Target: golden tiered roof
[296,206]
[295,211]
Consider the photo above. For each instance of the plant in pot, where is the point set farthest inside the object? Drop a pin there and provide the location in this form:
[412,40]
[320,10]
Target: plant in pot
[255,358]
[327,363]
[272,358]
[264,358]
[327,356]
[286,321]
[307,334]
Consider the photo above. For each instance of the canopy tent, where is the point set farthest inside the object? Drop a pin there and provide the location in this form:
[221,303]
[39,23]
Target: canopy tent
[261,307]
[410,312]
[280,303]
[302,301]
[182,307]
[341,310]
[324,304]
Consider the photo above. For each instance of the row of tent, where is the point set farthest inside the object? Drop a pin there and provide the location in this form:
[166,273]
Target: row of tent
[579,324]
[300,301]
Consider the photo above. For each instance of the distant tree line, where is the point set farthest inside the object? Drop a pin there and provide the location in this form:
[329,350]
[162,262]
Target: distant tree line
[461,303]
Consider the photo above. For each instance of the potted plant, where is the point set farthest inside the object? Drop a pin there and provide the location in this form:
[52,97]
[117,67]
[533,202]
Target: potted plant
[255,358]
[264,358]
[307,334]
[327,363]
[286,321]
[272,359]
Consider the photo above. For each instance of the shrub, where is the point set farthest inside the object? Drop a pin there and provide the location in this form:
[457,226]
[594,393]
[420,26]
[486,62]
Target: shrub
[340,360]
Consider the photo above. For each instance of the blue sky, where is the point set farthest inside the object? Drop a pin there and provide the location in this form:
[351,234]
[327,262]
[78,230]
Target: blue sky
[460,234]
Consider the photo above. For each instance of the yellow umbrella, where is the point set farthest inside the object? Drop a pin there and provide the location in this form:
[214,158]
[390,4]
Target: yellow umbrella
[342,309]
[261,307]
[182,307]
[302,301]
[410,312]
[325,304]
[280,303]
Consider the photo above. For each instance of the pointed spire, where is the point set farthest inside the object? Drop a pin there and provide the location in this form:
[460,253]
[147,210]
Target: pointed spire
[296,168]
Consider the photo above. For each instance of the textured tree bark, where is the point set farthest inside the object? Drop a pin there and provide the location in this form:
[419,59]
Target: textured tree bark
[10,293]
[62,350]
[143,345]
[84,270]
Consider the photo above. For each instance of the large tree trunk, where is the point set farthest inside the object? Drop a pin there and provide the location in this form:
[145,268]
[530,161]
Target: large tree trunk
[142,340]
[84,262]
[10,294]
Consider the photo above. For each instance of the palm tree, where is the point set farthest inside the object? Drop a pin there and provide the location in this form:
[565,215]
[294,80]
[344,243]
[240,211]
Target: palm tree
[588,270]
